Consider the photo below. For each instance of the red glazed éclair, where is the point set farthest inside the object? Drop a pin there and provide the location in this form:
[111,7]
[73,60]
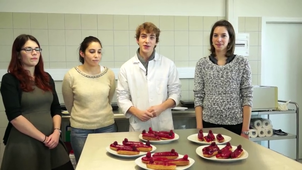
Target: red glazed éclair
[210,137]
[238,152]
[228,146]
[224,154]
[219,138]
[165,135]
[144,147]
[146,159]
[150,136]
[181,161]
[114,146]
[128,150]
[131,143]
[160,165]
[210,150]
[170,155]
[200,135]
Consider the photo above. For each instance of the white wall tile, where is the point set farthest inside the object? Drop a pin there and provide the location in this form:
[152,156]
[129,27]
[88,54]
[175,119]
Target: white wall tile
[106,37]
[86,33]
[206,38]
[105,22]
[56,37]
[208,23]
[182,63]
[167,51]
[181,23]
[135,21]
[254,66]
[181,53]
[21,20]
[6,19]
[72,21]
[166,23]
[6,37]
[121,38]
[195,53]
[196,38]
[72,64]
[195,23]
[41,35]
[181,38]
[89,22]
[254,38]
[5,53]
[253,53]
[121,22]
[251,24]
[72,53]
[108,54]
[153,19]
[73,37]
[241,24]
[38,21]
[19,31]
[45,53]
[56,21]
[57,64]
[121,53]
[57,53]
[167,38]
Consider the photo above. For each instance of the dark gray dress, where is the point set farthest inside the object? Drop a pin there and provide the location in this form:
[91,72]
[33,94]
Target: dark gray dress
[26,153]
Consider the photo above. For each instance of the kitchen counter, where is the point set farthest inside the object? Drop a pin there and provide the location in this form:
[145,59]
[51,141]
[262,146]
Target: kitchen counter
[94,155]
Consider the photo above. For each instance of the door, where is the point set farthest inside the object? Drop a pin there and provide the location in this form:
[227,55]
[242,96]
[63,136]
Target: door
[282,67]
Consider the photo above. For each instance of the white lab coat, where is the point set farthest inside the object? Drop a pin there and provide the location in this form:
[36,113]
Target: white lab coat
[142,91]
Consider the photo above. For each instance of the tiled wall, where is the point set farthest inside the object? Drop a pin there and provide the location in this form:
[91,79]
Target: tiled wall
[184,39]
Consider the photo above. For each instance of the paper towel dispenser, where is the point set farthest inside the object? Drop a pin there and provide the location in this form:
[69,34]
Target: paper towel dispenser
[265,98]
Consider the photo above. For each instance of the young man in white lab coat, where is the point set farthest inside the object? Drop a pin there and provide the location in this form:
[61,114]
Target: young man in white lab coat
[148,84]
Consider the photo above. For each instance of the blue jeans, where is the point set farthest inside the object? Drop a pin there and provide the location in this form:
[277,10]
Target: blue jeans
[79,136]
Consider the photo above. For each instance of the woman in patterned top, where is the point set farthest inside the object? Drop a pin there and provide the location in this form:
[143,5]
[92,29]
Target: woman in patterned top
[222,84]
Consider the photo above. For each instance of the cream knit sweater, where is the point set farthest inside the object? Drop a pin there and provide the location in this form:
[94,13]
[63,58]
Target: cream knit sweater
[88,98]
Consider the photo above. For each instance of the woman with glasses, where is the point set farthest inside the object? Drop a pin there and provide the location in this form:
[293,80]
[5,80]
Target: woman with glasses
[32,137]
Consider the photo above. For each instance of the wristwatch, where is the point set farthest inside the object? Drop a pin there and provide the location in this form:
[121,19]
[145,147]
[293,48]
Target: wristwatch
[58,130]
[245,132]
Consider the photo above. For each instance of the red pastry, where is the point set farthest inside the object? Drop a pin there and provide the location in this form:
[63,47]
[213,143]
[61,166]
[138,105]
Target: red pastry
[228,146]
[210,150]
[200,135]
[144,147]
[170,155]
[238,152]
[114,146]
[181,161]
[164,135]
[224,154]
[146,159]
[150,136]
[130,143]
[128,150]
[210,137]
[219,138]
[160,165]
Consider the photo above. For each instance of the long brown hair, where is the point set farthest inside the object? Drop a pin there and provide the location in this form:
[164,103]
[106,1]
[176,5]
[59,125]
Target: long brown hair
[231,32]
[15,67]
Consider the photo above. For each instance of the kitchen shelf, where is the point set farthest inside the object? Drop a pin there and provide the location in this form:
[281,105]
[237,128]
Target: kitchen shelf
[277,137]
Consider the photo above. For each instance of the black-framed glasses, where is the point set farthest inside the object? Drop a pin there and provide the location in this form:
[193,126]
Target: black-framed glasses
[30,50]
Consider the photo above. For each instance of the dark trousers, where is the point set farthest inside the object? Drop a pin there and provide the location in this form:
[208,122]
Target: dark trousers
[233,128]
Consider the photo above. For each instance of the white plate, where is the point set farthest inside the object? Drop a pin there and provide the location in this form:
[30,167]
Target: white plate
[139,162]
[176,137]
[213,158]
[128,156]
[179,108]
[194,138]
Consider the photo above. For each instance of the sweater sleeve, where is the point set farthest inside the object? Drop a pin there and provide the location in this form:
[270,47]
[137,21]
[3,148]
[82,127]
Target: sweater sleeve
[10,92]
[67,91]
[55,105]
[198,85]
[112,86]
[246,88]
